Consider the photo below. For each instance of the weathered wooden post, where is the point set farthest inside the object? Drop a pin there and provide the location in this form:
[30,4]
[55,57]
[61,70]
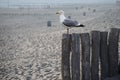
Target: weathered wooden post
[75,59]
[84,13]
[49,23]
[113,52]
[94,10]
[69,17]
[103,48]
[104,55]
[95,55]
[85,44]
[65,57]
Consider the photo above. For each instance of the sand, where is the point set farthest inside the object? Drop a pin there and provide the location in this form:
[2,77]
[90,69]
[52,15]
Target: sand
[29,50]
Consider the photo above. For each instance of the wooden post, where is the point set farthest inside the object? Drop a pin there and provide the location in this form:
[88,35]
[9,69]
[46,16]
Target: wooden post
[117,77]
[95,55]
[49,23]
[113,52]
[85,44]
[75,59]
[65,57]
[104,55]
[69,17]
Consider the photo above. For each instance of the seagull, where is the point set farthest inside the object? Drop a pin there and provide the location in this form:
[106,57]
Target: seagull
[68,22]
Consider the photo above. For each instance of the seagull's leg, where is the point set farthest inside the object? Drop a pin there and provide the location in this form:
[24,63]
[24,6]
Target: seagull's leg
[67,30]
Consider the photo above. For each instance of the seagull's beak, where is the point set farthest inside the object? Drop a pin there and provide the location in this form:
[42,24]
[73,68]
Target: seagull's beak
[57,13]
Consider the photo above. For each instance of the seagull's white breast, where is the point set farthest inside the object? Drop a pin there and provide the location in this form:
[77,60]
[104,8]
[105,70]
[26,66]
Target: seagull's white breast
[62,18]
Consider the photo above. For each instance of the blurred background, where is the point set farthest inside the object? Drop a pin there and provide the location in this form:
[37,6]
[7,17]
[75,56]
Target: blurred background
[40,3]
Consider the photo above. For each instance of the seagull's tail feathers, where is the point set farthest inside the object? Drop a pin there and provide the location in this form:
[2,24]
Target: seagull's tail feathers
[81,25]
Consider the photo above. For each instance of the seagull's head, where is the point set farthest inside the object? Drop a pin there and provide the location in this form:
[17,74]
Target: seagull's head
[60,12]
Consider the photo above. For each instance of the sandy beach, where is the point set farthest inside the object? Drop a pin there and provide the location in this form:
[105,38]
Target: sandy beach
[29,50]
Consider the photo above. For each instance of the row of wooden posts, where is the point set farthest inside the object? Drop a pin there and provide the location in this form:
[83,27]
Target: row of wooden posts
[91,56]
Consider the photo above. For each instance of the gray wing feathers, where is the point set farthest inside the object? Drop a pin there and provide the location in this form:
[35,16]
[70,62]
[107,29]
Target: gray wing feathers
[70,23]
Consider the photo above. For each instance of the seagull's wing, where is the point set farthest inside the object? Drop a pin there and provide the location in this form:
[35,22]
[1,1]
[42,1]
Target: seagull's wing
[70,23]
